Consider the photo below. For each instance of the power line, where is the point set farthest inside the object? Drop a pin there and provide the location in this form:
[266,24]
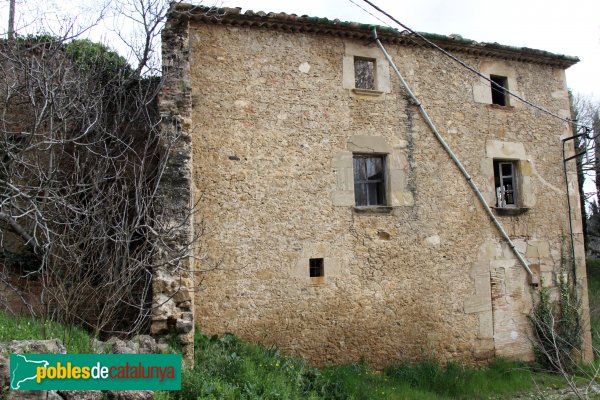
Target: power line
[412,39]
[370,13]
[468,67]
[439,58]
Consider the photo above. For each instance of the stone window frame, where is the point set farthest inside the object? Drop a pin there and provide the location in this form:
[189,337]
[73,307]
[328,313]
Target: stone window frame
[398,194]
[382,83]
[497,150]
[482,89]
[332,263]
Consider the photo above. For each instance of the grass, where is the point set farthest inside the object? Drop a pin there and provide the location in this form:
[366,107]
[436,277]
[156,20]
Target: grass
[228,368]
[593,277]
[75,339]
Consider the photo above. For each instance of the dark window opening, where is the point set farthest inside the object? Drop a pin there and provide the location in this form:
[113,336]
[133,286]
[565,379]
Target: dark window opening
[499,86]
[505,178]
[369,180]
[315,267]
[364,73]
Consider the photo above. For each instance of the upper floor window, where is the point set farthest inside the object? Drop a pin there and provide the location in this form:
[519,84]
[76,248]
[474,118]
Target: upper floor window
[364,73]
[505,177]
[499,86]
[369,180]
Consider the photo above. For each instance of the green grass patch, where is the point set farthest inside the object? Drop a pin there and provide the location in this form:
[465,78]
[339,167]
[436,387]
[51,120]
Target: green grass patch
[75,339]
[500,379]
[228,368]
[593,278]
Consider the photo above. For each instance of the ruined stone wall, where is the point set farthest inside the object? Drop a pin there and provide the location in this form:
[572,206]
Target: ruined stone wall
[173,281]
[273,132]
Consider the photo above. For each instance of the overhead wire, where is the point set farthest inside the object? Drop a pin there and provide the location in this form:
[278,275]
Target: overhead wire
[412,39]
[371,14]
[464,64]
[585,135]
[416,42]
[500,89]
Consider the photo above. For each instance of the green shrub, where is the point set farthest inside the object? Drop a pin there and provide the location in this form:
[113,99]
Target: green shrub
[228,368]
[88,56]
[557,328]
[93,57]
[593,279]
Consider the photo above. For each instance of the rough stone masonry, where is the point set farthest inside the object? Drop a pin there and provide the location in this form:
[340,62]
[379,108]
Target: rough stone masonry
[275,128]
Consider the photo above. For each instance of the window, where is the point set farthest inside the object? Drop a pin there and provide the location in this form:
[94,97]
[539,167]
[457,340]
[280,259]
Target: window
[315,267]
[369,180]
[364,73]
[505,177]
[499,86]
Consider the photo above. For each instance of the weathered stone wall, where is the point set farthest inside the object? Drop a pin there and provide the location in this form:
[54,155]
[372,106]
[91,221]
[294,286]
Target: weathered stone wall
[273,128]
[173,281]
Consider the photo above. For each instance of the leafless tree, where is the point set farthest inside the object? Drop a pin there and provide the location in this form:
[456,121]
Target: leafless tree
[558,338]
[586,113]
[82,160]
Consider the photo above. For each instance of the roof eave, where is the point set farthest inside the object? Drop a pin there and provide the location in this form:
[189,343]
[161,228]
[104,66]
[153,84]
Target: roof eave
[358,31]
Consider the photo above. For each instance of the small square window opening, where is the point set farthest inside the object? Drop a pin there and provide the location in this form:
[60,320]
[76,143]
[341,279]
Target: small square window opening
[505,178]
[364,73]
[499,87]
[316,268]
[369,180]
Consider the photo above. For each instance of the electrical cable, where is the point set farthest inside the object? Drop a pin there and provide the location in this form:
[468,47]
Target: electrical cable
[416,42]
[412,39]
[467,66]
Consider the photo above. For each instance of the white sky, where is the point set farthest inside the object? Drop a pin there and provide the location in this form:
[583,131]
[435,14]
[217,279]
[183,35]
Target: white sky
[565,27]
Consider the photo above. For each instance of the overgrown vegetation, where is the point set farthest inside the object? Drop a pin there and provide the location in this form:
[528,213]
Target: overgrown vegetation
[84,219]
[557,328]
[593,276]
[83,157]
[228,368]
[76,340]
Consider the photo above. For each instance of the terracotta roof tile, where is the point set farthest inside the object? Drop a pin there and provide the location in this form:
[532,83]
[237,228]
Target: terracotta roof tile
[359,31]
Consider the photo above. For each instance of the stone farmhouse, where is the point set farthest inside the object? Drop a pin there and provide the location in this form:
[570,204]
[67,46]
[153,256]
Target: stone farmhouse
[334,224]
